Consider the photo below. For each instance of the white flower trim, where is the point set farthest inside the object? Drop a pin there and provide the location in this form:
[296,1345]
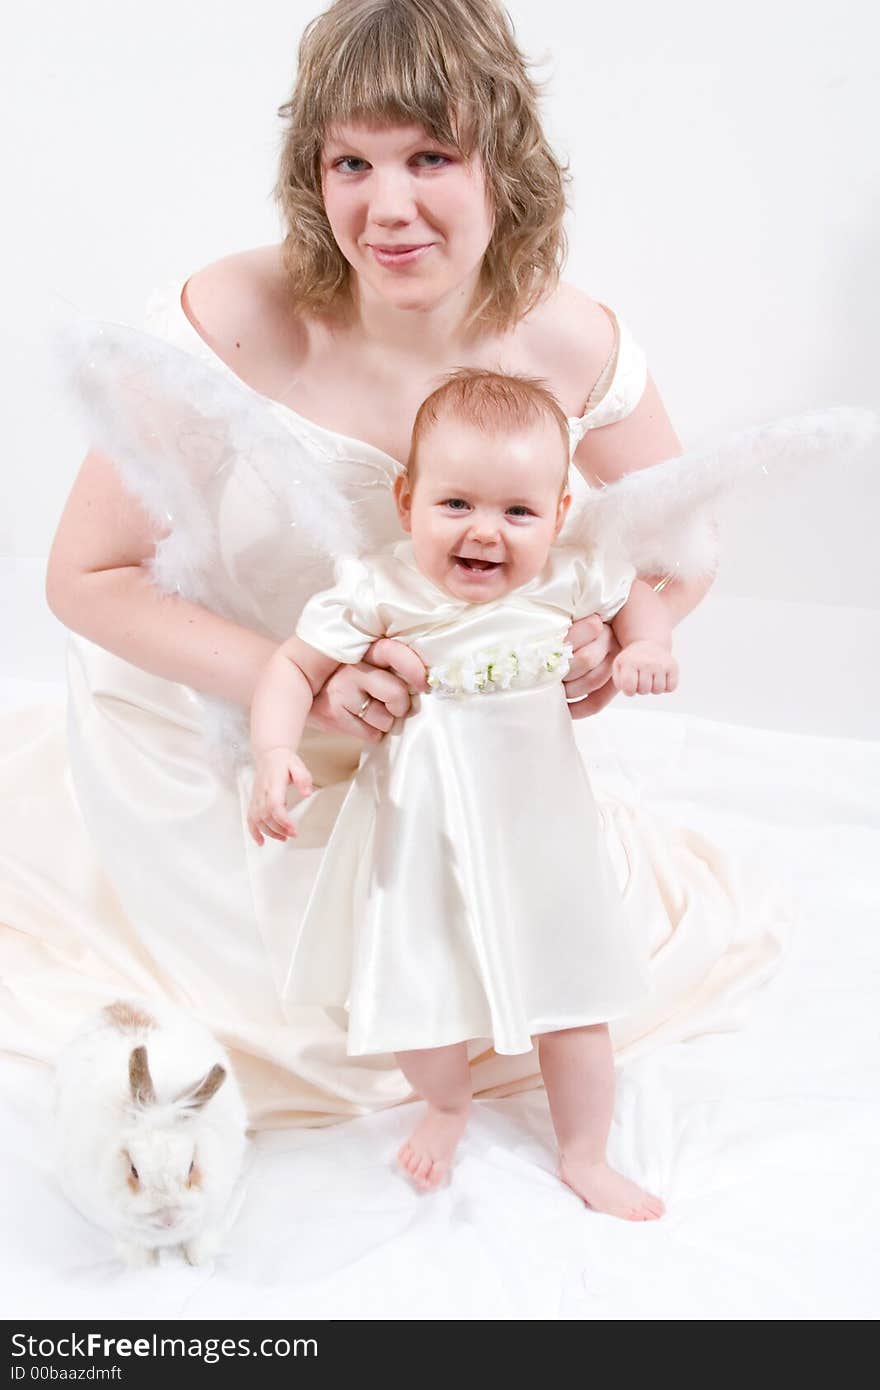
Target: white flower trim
[501,668]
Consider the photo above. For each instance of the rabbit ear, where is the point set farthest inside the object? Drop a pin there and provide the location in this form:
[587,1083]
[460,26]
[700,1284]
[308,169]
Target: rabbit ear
[142,1090]
[198,1095]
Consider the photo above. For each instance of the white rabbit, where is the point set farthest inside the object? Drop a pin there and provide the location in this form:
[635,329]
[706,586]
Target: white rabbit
[150,1129]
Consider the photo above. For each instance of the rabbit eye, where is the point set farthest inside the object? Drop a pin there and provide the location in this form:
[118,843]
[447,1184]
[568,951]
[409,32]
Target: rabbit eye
[191,1169]
[134,1172]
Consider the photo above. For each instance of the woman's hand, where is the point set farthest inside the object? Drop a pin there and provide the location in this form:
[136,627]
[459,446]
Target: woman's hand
[589,682]
[365,699]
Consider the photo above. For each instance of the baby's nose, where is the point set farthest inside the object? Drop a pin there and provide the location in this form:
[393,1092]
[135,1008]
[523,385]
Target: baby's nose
[485,530]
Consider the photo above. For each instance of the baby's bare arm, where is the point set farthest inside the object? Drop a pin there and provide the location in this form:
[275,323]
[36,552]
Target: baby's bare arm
[282,700]
[643,627]
[643,618]
[283,697]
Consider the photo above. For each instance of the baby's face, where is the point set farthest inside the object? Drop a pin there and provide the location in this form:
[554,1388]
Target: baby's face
[485,507]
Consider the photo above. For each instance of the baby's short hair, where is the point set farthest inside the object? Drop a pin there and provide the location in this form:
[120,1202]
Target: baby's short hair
[489,400]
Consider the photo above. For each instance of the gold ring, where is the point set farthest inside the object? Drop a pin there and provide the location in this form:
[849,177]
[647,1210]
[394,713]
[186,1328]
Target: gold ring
[364,706]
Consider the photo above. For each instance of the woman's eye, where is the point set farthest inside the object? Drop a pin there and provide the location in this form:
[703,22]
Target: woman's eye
[346,160]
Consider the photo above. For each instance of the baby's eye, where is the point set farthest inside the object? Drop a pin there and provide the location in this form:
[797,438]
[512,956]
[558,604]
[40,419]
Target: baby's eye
[456,503]
[519,510]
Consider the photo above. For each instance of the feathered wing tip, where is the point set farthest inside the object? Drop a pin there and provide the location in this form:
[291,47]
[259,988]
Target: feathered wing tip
[661,517]
[226,734]
[174,425]
[177,428]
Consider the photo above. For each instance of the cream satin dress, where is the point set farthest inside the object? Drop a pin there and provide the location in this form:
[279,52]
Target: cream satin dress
[466,891]
[126,864]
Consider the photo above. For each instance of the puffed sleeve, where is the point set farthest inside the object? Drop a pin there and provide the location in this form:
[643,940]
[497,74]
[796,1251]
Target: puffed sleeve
[602,584]
[343,621]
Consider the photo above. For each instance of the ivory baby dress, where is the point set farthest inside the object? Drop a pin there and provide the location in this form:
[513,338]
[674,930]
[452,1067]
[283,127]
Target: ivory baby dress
[466,890]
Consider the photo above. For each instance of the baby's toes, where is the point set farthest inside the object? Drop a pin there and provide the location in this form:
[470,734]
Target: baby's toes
[438,1173]
[421,1171]
[410,1159]
[648,1209]
[410,1163]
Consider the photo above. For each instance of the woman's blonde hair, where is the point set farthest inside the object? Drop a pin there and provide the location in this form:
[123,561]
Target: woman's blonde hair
[490,401]
[452,66]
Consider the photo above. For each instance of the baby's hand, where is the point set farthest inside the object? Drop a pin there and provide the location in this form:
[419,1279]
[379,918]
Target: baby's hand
[645,668]
[267,813]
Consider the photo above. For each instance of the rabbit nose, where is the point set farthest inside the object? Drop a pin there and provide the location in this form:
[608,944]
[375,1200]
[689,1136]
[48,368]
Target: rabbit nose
[169,1216]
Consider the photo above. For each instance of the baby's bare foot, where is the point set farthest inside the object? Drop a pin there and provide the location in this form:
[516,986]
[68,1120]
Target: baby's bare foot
[604,1189]
[427,1154]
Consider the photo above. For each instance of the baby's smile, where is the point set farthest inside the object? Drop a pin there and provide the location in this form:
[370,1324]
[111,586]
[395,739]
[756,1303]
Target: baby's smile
[475,566]
[478,577]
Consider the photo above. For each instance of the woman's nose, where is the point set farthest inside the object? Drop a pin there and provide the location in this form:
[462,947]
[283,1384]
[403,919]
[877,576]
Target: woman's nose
[391,199]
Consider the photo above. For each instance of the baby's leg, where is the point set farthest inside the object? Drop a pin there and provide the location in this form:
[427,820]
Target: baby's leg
[578,1069]
[442,1077]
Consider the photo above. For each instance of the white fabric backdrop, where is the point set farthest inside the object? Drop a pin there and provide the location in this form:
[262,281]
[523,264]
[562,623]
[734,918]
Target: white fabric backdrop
[724,201]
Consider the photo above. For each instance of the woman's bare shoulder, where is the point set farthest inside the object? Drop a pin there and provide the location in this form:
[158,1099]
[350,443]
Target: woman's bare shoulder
[570,337]
[242,308]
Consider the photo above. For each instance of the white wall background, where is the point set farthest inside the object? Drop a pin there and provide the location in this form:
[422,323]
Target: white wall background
[725,203]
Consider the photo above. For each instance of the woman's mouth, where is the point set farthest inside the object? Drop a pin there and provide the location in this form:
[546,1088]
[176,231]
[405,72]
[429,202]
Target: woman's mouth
[400,255]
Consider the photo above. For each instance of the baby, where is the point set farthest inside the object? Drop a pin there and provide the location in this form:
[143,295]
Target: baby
[465,892]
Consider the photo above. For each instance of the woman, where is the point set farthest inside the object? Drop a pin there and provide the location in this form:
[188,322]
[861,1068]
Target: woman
[423,212]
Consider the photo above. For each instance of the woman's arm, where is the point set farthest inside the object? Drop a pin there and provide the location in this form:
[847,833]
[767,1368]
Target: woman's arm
[646,436]
[97,585]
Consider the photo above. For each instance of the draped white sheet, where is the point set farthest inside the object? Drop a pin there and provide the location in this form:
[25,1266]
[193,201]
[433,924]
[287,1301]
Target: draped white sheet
[763,1140]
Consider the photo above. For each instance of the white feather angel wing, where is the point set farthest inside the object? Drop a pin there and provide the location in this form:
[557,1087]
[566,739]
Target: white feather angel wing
[178,431]
[660,518]
[252,518]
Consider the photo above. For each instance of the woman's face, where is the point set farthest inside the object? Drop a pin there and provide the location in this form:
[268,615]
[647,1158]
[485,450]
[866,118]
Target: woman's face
[411,216]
